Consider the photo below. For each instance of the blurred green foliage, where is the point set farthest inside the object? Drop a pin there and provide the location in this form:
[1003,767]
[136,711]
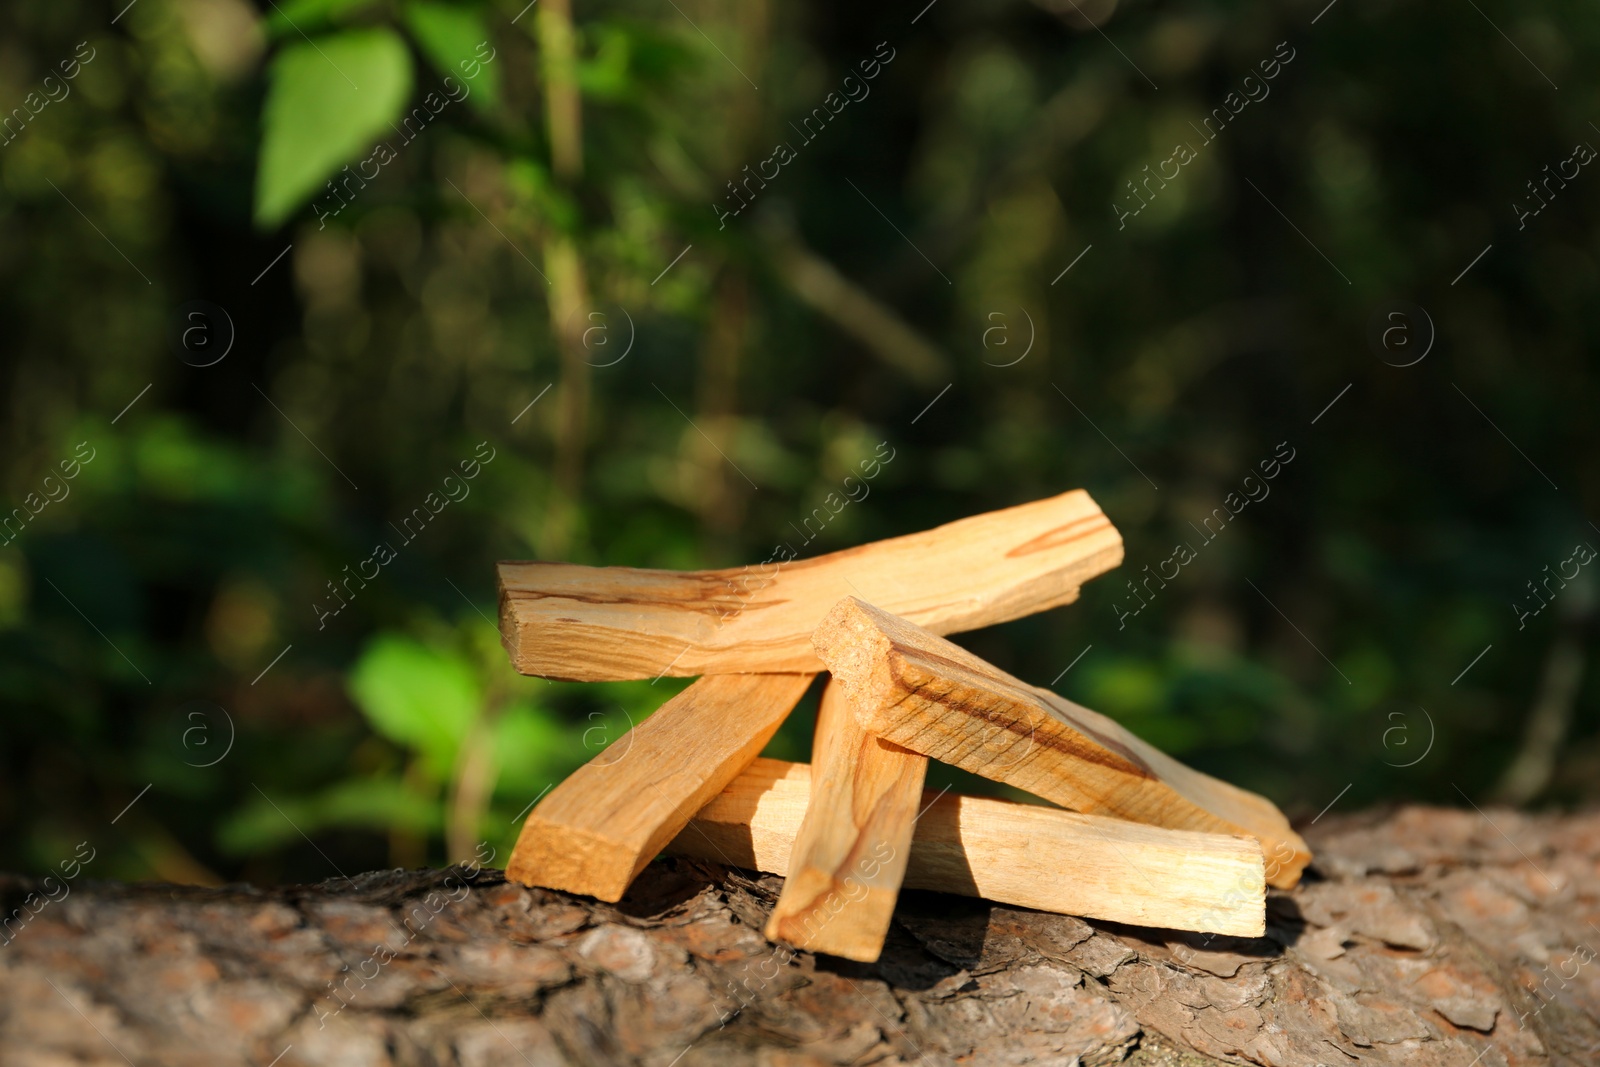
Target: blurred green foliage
[543,270]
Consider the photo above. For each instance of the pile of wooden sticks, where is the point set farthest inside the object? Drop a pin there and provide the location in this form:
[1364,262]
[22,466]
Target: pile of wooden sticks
[1146,841]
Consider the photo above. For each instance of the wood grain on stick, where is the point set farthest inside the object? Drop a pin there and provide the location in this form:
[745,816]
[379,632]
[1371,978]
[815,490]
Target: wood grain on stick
[1023,854]
[852,845]
[595,831]
[931,696]
[562,620]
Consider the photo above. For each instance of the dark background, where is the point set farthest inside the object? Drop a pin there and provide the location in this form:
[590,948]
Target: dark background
[1354,636]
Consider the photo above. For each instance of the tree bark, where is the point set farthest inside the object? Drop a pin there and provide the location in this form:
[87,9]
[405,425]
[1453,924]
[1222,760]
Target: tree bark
[1421,936]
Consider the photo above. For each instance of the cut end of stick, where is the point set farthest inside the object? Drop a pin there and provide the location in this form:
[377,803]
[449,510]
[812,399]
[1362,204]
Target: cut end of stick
[860,642]
[841,918]
[1286,859]
[595,832]
[561,647]
[856,651]
[849,856]
[552,856]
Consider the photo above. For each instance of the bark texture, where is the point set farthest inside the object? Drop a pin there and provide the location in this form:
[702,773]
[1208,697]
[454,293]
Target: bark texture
[1426,937]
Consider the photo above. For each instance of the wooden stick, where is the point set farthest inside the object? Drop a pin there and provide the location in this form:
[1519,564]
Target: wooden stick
[561,620]
[595,831]
[933,697]
[854,840]
[1022,854]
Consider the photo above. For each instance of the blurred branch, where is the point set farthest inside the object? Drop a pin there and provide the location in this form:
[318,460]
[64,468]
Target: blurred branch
[569,290]
[718,403]
[476,772]
[563,108]
[568,299]
[1548,723]
[855,311]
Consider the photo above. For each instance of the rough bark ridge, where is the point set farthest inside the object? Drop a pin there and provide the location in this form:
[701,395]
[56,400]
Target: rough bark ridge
[1422,937]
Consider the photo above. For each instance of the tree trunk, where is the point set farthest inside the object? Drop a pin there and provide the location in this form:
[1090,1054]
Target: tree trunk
[1420,936]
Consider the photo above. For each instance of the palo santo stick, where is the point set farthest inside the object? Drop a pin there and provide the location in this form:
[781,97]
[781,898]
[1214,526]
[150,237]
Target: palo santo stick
[561,620]
[1010,853]
[854,839]
[933,697]
[595,831]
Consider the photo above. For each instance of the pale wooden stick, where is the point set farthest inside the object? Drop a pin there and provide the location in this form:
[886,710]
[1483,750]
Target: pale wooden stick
[933,697]
[1010,853]
[561,620]
[855,838]
[595,831]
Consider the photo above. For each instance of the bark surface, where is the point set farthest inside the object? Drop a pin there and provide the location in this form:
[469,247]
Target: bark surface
[1421,936]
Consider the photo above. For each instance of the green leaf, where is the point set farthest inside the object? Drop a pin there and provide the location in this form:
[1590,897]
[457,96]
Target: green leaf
[328,100]
[303,16]
[450,36]
[534,748]
[417,697]
[366,803]
[376,803]
[606,76]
